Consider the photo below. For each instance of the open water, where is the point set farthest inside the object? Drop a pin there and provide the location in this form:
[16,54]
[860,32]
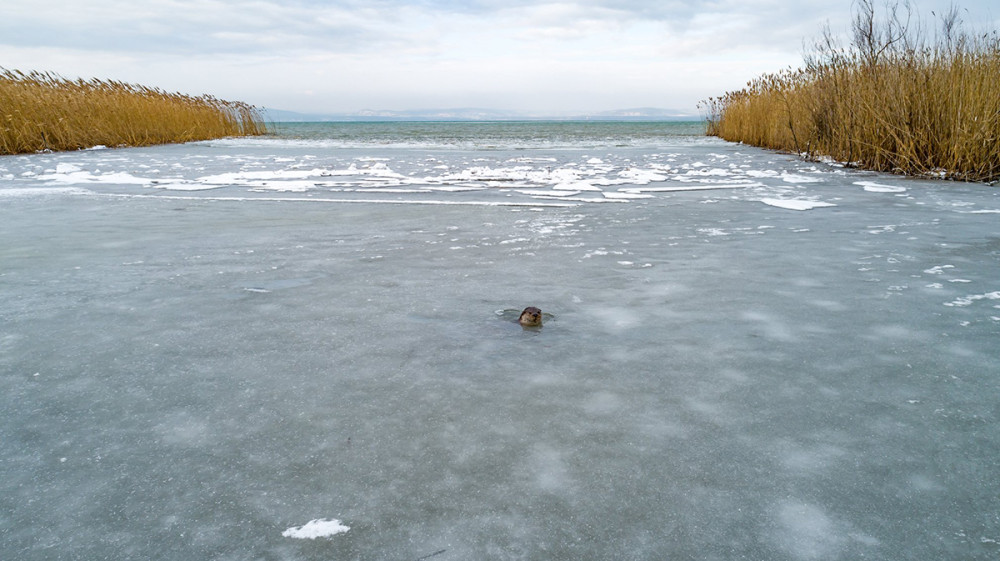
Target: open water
[303,347]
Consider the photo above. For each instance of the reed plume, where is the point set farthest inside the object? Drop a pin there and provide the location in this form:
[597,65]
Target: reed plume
[43,111]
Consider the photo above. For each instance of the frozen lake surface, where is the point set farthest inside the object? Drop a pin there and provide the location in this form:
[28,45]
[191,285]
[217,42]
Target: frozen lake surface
[303,347]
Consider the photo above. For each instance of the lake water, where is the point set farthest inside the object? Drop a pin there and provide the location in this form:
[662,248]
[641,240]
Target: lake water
[215,350]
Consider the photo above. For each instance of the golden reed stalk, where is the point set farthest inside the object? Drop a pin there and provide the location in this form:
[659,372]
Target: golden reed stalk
[42,111]
[890,102]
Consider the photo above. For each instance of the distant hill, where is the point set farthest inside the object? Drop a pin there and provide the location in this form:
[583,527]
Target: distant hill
[648,113]
[480,114]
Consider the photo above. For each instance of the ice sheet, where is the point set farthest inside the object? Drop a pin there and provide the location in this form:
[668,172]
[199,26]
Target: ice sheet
[188,373]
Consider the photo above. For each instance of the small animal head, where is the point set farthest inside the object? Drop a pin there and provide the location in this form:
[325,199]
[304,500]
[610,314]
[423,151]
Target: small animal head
[531,317]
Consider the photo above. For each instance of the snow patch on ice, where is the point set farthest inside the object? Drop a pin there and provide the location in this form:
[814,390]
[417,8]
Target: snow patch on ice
[539,206]
[795,204]
[62,177]
[35,191]
[873,187]
[641,176]
[968,300]
[938,269]
[797,178]
[318,528]
[67,168]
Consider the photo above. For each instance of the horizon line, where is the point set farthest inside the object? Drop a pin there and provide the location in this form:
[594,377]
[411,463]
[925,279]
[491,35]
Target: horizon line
[483,114]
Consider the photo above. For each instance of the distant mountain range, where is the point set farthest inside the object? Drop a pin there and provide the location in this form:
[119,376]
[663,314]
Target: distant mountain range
[478,114]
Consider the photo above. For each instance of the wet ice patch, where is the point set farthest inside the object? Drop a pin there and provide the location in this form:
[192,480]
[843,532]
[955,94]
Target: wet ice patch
[796,204]
[318,528]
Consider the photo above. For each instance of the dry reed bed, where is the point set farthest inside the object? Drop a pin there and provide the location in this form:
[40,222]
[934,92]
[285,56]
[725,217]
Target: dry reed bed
[42,111]
[889,102]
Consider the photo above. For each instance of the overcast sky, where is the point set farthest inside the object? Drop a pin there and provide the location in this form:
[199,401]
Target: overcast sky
[349,55]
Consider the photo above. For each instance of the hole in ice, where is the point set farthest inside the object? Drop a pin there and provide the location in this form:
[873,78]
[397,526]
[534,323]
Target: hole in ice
[513,314]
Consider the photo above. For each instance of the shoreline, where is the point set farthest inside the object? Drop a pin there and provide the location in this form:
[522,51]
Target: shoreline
[906,106]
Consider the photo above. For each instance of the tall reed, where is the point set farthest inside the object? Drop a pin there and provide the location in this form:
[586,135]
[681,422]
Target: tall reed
[43,111]
[890,101]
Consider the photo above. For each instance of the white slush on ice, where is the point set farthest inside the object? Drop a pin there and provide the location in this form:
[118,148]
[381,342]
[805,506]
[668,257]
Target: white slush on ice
[872,187]
[796,204]
[319,528]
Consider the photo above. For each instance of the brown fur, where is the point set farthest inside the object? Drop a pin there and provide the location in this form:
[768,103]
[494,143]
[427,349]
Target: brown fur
[531,317]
